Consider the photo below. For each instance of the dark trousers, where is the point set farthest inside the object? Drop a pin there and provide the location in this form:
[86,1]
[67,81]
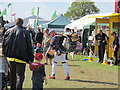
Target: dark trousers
[101,51]
[116,56]
[37,85]
[17,71]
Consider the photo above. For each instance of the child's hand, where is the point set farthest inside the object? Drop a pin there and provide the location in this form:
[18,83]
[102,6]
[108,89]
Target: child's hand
[45,82]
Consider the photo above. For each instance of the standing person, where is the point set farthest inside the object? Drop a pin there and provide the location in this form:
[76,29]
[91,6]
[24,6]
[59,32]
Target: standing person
[38,74]
[57,45]
[68,31]
[115,47]
[46,42]
[102,41]
[39,36]
[17,48]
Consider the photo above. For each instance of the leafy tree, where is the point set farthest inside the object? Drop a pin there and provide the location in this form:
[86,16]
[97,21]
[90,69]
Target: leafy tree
[80,8]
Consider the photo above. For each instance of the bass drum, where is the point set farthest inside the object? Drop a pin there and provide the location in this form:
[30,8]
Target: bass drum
[51,54]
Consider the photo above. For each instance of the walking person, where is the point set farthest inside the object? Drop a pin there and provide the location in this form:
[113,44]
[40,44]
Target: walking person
[115,47]
[60,52]
[102,41]
[38,74]
[39,36]
[17,48]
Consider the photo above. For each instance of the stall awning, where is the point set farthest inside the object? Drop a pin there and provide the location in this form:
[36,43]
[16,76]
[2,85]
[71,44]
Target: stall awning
[110,15]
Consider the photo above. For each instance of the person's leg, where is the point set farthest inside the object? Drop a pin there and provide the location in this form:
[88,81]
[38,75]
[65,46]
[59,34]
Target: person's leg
[99,53]
[65,64]
[20,71]
[12,76]
[102,52]
[37,85]
[46,60]
[54,64]
[116,57]
[40,85]
[50,61]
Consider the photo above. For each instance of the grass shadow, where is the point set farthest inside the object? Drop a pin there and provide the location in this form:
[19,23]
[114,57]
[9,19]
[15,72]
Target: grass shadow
[96,82]
[71,65]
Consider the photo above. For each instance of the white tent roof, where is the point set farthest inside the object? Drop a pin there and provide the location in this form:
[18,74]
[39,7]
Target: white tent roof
[80,23]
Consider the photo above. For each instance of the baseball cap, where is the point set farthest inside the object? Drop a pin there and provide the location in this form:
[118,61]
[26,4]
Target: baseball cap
[38,56]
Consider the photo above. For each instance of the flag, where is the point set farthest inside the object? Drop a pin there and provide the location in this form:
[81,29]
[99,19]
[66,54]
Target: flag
[9,4]
[54,15]
[13,14]
[37,16]
[3,13]
[32,12]
[116,6]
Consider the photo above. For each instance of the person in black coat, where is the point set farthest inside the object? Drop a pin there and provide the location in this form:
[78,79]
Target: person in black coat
[39,36]
[115,47]
[102,41]
[17,48]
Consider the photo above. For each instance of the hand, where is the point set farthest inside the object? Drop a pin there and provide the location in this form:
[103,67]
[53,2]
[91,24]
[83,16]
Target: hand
[103,40]
[46,54]
[114,49]
[45,82]
[30,62]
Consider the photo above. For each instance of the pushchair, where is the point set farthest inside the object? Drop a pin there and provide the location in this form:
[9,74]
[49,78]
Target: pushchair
[4,73]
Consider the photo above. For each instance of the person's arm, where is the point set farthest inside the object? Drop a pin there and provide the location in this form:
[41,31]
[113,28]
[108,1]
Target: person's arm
[29,47]
[116,42]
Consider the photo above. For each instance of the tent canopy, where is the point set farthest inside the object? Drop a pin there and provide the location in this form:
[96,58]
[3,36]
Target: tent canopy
[80,23]
[59,22]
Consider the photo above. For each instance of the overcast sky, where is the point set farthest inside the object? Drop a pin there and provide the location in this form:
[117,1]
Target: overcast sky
[23,8]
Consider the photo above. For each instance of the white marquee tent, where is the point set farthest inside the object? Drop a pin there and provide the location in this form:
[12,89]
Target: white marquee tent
[80,23]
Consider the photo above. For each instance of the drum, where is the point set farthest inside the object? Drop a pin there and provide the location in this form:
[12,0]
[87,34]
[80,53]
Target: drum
[51,54]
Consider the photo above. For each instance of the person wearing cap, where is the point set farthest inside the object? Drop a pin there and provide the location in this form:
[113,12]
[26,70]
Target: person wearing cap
[115,47]
[38,73]
[102,41]
[39,48]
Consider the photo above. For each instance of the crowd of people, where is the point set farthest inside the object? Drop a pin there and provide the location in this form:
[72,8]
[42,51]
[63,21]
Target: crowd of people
[23,45]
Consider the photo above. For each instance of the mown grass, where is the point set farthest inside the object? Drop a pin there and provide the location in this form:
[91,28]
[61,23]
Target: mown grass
[83,75]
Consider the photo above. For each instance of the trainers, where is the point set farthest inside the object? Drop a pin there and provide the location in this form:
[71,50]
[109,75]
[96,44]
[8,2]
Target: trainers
[67,78]
[51,77]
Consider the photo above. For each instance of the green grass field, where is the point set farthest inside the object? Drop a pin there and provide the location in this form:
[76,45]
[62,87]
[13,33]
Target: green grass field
[83,75]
